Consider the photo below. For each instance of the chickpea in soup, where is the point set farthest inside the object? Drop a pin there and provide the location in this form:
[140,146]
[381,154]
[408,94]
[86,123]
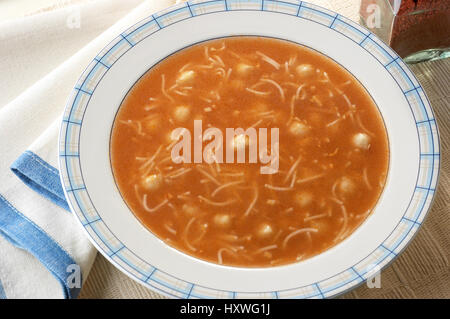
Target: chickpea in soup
[333,152]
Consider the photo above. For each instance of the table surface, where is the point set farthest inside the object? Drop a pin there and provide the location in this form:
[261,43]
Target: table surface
[421,271]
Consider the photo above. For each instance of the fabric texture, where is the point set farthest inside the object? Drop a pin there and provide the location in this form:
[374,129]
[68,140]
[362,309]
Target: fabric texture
[35,45]
[41,177]
[24,234]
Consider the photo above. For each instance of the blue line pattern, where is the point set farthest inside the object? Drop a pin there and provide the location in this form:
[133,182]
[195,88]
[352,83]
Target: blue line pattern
[160,281]
[24,234]
[41,177]
[2,291]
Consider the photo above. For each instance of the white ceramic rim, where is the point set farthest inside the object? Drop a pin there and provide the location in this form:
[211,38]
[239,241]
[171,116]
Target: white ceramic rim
[86,173]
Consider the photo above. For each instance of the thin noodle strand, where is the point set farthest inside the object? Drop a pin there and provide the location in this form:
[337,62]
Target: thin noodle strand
[252,204]
[154,209]
[269,60]
[218,204]
[277,86]
[220,188]
[297,232]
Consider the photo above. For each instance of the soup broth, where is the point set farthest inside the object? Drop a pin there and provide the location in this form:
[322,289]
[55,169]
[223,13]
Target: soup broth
[333,152]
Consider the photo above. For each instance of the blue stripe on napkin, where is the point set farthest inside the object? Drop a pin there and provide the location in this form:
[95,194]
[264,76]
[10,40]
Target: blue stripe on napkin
[23,233]
[41,177]
[2,291]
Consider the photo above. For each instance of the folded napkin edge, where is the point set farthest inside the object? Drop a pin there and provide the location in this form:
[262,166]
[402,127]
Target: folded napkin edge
[40,176]
[25,234]
[2,291]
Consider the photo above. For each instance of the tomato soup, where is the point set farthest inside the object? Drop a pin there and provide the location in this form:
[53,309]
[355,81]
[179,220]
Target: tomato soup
[332,152]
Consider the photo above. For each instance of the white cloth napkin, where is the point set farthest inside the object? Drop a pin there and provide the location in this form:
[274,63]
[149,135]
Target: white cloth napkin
[43,250]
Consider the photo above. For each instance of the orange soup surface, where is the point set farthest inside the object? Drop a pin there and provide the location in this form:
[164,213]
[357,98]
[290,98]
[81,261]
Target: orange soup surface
[332,150]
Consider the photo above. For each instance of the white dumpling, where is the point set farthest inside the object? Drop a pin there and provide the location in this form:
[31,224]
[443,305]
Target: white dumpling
[189,209]
[222,220]
[181,113]
[244,69]
[303,199]
[152,125]
[361,140]
[298,128]
[305,70]
[186,77]
[264,230]
[152,182]
[346,186]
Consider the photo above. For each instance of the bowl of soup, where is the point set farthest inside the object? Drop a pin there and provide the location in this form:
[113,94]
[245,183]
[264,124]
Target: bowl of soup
[233,149]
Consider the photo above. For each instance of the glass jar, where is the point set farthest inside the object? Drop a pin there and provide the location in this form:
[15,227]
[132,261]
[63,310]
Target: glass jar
[418,30]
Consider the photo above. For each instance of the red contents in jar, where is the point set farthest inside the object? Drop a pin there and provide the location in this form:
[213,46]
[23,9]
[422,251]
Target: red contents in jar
[418,25]
[421,25]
